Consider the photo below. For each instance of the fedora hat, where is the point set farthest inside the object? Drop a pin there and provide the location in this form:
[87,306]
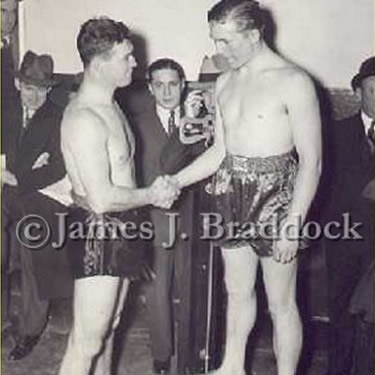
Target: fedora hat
[36,70]
[367,69]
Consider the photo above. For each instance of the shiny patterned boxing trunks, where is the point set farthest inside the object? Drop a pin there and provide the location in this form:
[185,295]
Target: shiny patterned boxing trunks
[101,246]
[252,196]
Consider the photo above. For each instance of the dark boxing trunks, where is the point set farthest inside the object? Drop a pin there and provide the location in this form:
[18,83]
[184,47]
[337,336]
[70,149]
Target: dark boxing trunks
[252,195]
[104,247]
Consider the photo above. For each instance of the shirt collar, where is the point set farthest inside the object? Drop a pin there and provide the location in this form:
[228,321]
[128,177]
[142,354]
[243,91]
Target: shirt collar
[164,113]
[5,41]
[367,121]
[27,115]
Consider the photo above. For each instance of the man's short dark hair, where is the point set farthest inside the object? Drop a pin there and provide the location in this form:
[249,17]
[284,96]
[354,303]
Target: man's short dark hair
[165,64]
[247,14]
[97,36]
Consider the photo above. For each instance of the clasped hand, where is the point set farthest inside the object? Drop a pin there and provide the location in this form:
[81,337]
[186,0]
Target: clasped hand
[164,191]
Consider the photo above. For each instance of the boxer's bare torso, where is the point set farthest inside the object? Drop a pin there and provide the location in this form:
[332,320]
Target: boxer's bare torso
[109,124]
[254,109]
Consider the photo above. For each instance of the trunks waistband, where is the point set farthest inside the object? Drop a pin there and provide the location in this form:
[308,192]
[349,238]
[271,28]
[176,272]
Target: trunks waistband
[274,163]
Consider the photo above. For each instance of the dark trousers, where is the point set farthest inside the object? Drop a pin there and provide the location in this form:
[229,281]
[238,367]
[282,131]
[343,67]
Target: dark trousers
[34,313]
[38,274]
[364,348]
[11,212]
[346,262]
[172,268]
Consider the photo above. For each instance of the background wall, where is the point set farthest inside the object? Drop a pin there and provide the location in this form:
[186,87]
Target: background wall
[327,37]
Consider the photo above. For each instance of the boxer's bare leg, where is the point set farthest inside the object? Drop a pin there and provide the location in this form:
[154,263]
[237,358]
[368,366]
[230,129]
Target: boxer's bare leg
[103,365]
[280,285]
[94,305]
[240,274]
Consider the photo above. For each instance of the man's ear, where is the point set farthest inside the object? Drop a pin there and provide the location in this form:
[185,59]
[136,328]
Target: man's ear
[150,89]
[253,35]
[358,93]
[17,83]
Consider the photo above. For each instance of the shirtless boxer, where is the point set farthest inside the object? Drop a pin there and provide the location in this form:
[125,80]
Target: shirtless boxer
[267,113]
[98,150]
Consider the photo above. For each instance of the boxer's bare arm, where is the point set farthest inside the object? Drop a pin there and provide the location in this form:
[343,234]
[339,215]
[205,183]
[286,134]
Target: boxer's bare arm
[86,140]
[303,110]
[207,163]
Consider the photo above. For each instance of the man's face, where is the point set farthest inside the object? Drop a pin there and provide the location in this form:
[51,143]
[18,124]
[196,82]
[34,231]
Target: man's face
[119,66]
[237,47]
[367,96]
[32,96]
[166,87]
[8,16]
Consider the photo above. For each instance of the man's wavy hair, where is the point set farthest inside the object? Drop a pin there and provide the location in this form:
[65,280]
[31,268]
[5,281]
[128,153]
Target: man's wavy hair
[165,63]
[247,14]
[97,36]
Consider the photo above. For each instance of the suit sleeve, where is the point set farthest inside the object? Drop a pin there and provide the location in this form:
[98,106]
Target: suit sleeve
[30,179]
[176,155]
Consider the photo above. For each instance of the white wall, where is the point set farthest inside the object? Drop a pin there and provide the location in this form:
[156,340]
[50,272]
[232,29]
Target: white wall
[327,37]
[330,38]
[173,28]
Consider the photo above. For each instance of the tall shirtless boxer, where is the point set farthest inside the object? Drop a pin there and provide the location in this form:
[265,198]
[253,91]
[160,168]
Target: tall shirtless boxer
[98,150]
[267,155]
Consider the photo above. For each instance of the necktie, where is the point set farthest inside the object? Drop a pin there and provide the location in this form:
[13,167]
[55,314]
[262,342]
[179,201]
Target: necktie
[171,122]
[371,132]
[27,118]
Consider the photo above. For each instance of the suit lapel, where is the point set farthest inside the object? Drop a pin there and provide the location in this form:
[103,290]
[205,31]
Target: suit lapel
[362,143]
[37,134]
[159,128]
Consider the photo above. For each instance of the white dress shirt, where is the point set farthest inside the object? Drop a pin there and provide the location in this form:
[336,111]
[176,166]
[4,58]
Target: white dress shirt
[367,121]
[164,114]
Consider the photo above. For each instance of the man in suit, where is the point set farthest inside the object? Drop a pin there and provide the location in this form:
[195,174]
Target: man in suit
[43,193]
[9,136]
[8,47]
[155,115]
[348,258]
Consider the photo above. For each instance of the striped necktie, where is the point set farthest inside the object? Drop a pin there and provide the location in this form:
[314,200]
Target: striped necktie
[171,122]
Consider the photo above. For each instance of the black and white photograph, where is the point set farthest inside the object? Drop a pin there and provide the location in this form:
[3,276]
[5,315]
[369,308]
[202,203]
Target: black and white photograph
[187,187]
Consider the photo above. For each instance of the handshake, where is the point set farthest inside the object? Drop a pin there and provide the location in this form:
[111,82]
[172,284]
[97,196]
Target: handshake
[164,191]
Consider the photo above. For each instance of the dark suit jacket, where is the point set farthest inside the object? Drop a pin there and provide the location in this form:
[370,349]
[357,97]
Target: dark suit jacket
[351,168]
[42,135]
[10,109]
[11,124]
[352,165]
[7,73]
[158,154]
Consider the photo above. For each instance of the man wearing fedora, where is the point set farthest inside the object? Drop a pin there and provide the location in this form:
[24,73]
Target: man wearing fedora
[352,147]
[43,191]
